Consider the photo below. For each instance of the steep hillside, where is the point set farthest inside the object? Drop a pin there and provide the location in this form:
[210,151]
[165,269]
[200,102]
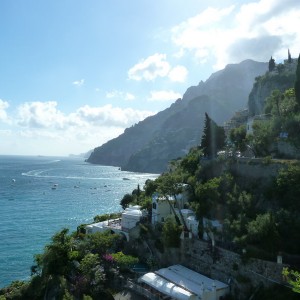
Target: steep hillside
[149,145]
[263,87]
[282,78]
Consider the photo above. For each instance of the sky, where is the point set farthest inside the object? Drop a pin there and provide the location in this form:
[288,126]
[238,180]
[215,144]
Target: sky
[74,74]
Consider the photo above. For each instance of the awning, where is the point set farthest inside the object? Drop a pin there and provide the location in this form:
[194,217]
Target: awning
[166,287]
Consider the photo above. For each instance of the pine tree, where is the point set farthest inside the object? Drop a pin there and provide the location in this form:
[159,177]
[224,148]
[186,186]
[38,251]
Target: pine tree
[297,82]
[213,138]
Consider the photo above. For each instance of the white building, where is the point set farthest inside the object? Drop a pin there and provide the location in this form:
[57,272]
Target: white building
[210,227]
[103,226]
[130,217]
[193,224]
[179,282]
[161,206]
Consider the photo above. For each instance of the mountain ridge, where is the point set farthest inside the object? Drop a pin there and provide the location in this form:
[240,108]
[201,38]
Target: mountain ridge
[149,145]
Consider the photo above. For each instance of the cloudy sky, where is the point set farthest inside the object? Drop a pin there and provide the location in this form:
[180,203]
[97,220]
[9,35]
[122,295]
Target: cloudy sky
[74,74]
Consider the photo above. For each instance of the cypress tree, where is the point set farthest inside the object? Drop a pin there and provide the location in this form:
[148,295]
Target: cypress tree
[271,64]
[213,138]
[289,57]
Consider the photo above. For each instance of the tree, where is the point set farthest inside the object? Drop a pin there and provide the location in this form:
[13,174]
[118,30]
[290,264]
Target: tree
[293,278]
[289,57]
[124,261]
[238,137]
[190,163]
[55,259]
[171,233]
[287,188]
[271,64]
[263,232]
[88,263]
[100,242]
[213,138]
[297,82]
[207,195]
[137,193]
[126,200]
[281,104]
[280,68]
[150,187]
[170,185]
[262,138]
[272,103]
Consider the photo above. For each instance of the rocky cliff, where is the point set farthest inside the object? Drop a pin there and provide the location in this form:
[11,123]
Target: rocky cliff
[149,145]
[264,85]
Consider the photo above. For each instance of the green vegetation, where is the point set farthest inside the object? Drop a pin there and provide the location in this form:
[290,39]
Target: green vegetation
[238,137]
[276,292]
[73,267]
[281,123]
[293,278]
[101,218]
[124,261]
[171,233]
[213,138]
[261,219]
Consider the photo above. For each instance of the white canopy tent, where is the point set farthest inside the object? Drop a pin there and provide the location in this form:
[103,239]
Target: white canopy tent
[180,282]
[166,287]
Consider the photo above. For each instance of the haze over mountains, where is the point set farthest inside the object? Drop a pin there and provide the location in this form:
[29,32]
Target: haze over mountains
[149,145]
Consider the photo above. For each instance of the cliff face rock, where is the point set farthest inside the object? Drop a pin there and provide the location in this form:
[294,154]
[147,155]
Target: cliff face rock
[263,88]
[149,145]
[264,85]
[117,151]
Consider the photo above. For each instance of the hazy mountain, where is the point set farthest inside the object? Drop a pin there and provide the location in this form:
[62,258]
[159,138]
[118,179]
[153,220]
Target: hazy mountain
[149,145]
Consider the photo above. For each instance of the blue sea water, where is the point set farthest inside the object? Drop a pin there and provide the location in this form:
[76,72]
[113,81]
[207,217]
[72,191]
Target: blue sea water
[41,195]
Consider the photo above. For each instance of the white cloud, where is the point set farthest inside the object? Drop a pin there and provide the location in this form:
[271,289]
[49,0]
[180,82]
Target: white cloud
[46,130]
[3,114]
[157,66]
[121,95]
[164,96]
[45,115]
[78,82]
[129,96]
[178,74]
[111,116]
[5,133]
[198,33]
[255,30]
[150,68]
[40,115]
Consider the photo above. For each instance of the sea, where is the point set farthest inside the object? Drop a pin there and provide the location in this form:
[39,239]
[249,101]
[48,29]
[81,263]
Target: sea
[39,196]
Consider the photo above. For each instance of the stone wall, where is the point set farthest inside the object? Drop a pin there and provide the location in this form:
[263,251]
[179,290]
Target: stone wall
[257,168]
[242,275]
[288,150]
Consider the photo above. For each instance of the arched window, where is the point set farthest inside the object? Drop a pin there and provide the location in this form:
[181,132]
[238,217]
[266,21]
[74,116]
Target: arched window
[154,205]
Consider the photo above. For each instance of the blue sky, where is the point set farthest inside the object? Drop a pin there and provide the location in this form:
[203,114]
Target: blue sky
[75,74]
